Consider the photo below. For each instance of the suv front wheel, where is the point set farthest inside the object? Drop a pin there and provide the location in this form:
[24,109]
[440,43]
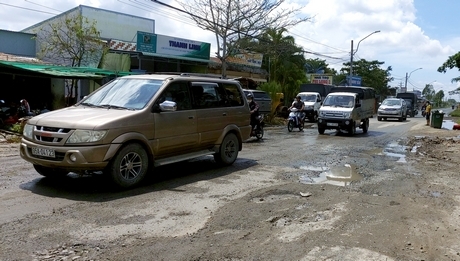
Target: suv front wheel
[129,166]
[228,151]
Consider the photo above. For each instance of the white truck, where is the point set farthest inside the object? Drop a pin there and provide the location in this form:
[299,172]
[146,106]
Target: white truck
[347,108]
[313,94]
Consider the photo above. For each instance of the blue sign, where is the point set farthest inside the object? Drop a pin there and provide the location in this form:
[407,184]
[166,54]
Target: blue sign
[355,80]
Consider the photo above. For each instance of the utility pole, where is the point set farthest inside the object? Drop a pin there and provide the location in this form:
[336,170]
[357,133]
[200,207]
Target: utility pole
[352,53]
[351,64]
[407,77]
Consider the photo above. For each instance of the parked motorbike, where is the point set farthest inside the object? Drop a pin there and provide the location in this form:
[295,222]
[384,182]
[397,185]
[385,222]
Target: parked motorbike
[296,120]
[258,130]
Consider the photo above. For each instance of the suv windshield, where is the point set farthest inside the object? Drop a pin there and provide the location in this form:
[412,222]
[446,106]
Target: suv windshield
[391,102]
[129,93]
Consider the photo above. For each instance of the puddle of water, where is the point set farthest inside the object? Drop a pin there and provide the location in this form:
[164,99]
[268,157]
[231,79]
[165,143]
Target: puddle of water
[338,176]
[395,150]
[313,168]
[345,174]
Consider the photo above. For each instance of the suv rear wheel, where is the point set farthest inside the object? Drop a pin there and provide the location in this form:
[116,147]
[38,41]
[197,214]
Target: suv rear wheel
[228,151]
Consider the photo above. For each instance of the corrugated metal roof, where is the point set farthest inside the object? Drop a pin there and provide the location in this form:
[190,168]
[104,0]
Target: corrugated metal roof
[63,71]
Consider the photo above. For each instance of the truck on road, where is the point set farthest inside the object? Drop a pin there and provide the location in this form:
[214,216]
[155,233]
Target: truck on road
[347,108]
[411,101]
[313,94]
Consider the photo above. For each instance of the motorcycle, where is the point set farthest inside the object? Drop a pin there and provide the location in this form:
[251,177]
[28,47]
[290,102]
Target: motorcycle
[258,130]
[296,120]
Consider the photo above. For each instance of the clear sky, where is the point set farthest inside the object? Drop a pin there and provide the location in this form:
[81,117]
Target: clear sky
[413,33]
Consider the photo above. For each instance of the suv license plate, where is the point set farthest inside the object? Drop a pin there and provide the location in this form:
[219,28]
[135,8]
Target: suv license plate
[332,124]
[43,152]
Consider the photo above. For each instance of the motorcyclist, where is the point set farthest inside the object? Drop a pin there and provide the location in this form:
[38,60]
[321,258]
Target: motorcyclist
[254,108]
[300,106]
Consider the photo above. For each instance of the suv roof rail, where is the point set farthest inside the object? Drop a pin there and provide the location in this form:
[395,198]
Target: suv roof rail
[202,75]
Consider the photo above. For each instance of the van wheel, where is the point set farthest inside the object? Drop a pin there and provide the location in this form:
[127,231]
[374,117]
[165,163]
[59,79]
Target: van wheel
[352,129]
[321,130]
[129,166]
[379,118]
[50,172]
[228,151]
[365,125]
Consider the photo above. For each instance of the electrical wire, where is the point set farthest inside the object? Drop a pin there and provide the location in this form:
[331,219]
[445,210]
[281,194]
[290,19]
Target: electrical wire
[29,9]
[43,6]
[174,16]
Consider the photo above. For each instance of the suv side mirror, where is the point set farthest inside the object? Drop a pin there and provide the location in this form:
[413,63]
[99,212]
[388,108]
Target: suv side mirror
[358,105]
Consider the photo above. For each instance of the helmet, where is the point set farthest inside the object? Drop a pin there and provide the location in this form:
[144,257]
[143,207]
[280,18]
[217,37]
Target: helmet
[250,96]
[298,97]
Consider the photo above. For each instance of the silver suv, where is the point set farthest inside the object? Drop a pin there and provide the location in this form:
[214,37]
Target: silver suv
[134,123]
[392,108]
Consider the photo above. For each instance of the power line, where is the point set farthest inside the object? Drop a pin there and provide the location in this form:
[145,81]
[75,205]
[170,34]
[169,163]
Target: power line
[43,6]
[29,9]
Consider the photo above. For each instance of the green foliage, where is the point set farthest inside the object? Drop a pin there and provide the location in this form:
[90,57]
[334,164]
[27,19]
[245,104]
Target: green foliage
[271,88]
[428,92]
[286,62]
[452,61]
[71,41]
[315,65]
[371,75]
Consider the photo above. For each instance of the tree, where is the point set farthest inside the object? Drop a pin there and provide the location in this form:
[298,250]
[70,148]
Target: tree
[286,64]
[371,75]
[438,97]
[232,20]
[316,65]
[452,61]
[428,92]
[71,41]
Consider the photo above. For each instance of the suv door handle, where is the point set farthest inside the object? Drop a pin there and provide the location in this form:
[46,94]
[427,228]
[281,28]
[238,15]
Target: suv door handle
[190,117]
[224,114]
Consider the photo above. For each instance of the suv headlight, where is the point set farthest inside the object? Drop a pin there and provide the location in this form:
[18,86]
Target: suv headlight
[28,131]
[82,136]
[309,107]
[346,115]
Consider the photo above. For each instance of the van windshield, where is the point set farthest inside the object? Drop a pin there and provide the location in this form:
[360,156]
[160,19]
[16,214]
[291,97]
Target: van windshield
[308,98]
[122,93]
[339,101]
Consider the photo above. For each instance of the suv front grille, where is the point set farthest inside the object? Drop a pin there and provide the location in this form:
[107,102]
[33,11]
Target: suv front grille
[50,134]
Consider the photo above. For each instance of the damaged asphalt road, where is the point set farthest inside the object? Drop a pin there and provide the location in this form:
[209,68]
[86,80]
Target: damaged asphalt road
[287,197]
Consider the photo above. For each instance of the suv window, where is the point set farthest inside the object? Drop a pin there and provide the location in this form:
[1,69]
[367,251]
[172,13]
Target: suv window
[177,92]
[233,95]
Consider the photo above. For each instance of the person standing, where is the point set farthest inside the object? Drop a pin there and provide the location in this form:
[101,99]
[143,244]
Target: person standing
[428,113]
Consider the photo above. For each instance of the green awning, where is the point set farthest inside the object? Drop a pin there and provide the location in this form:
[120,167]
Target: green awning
[63,71]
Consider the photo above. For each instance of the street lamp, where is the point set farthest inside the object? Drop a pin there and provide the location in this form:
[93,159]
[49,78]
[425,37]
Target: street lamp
[407,77]
[352,53]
